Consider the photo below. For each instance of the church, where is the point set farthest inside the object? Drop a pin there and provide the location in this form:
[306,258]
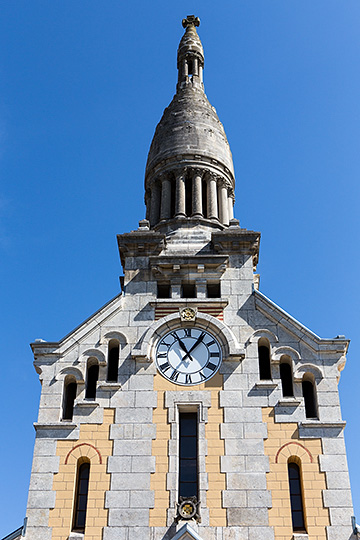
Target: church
[190,406]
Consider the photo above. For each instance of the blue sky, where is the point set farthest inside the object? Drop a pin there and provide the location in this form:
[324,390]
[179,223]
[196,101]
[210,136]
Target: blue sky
[82,87]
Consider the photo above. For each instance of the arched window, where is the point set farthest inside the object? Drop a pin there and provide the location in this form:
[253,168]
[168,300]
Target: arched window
[69,398]
[91,378]
[309,393]
[286,377]
[296,497]
[264,359]
[113,361]
[81,496]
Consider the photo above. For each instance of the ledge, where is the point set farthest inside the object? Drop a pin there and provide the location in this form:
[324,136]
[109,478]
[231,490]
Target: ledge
[266,384]
[86,403]
[63,424]
[109,386]
[198,302]
[319,424]
[288,402]
[300,536]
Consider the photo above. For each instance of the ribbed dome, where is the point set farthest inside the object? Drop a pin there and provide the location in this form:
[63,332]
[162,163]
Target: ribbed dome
[189,172]
[190,126]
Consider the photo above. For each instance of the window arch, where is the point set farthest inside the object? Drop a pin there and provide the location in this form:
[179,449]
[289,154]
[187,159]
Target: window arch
[113,360]
[286,376]
[309,393]
[296,497]
[92,376]
[70,387]
[264,359]
[81,495]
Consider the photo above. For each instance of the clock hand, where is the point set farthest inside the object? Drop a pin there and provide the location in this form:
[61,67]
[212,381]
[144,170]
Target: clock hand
[197,342]
[182,345]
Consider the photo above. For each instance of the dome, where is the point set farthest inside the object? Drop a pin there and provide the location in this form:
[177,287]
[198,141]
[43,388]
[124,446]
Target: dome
[189,171]
[190,127]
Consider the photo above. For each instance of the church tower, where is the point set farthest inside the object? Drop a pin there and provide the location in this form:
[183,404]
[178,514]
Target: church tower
[190,406]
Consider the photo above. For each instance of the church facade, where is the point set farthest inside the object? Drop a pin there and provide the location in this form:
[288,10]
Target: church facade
[190,406]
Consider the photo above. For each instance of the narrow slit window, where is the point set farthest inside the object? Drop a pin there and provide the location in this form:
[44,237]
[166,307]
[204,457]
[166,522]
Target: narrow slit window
[113,361]
[188,196]
[81,497]
[264,362]
[188,466]
[204,198]
[91,383]
[286,379]
[309,394]
[69,399]
[296,498]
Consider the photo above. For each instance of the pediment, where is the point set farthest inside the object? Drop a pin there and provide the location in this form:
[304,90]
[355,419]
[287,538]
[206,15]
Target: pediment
[186,533]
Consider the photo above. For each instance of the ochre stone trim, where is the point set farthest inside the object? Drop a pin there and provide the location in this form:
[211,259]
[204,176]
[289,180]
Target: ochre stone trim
[94,443]
[294,443]
[83,444]
[281,444]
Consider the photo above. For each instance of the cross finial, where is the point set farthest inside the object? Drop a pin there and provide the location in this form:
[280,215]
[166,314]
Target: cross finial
[191,20]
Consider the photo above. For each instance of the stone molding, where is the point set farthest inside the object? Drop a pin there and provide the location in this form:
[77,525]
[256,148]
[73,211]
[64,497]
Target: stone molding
[183,401]
[231,348]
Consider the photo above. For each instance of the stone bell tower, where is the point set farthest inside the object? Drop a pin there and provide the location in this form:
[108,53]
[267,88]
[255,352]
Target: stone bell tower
[190,406]
[189,171]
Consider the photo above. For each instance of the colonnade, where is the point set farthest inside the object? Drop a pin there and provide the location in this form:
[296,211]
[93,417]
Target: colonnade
[190,193]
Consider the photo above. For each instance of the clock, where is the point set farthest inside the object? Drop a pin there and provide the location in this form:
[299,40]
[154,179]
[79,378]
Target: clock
[188,356]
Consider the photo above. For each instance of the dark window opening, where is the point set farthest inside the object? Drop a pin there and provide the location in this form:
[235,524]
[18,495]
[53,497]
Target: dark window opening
[188,290]
[188,468]
[163,290]
[190,67]
[296,499]
[69,398]
[309,399]
[92,377]
[81,497]
[204,198]
[286,379]
[113,361]
[213,290]
[172,199]
[188,196]
[264,362]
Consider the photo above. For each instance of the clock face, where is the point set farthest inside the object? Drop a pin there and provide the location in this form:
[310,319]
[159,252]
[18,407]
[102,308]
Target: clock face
[188,356]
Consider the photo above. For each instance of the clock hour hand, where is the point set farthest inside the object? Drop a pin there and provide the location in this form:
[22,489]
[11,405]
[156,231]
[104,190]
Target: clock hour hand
[182,345]
[197,342]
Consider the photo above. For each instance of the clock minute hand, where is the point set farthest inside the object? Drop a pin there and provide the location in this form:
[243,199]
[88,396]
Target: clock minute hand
[197,342]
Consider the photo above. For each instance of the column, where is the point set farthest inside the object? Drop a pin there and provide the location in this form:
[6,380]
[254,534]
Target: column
[224,205]
[197,210]
[165,211]
[180,195]
[231,207]
[212,198]
[200,73]
[154,203]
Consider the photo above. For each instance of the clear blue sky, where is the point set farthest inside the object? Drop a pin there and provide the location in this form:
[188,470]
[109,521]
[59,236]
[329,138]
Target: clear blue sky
[82,87]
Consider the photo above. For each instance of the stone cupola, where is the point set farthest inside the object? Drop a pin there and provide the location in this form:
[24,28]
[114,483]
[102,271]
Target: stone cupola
[189,172]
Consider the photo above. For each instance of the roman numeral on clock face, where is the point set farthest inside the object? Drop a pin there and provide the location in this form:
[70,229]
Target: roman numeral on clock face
[165,366]
[174,376]
[162,355]
[214,355]
[188,379]
[211,366]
